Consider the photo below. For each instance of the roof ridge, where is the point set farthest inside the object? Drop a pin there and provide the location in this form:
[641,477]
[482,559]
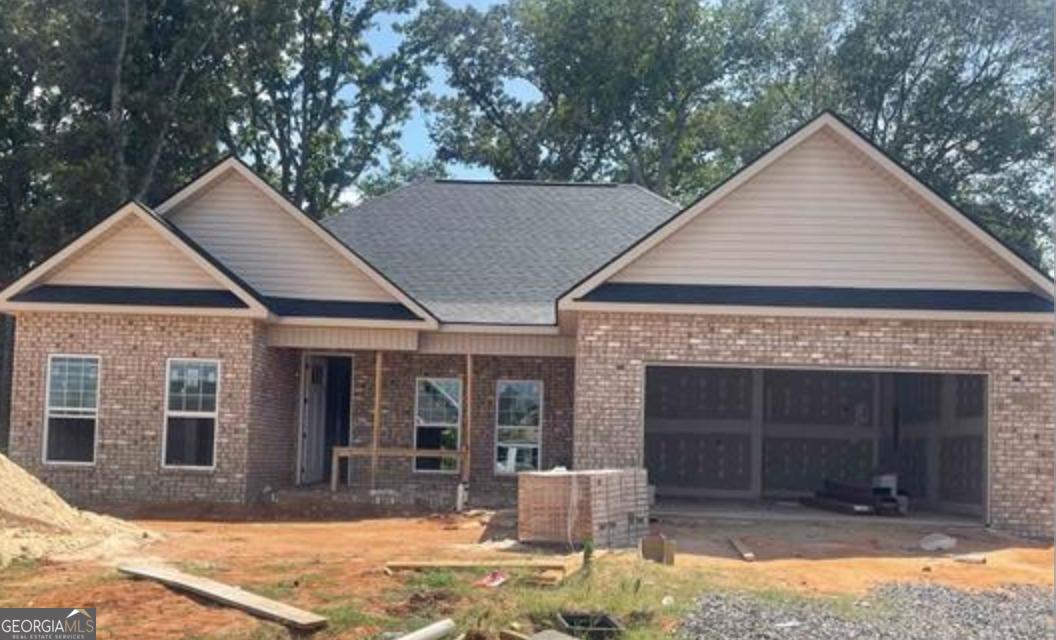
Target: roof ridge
[528,183]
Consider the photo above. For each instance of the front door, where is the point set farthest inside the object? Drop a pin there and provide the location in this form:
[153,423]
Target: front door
[313,421]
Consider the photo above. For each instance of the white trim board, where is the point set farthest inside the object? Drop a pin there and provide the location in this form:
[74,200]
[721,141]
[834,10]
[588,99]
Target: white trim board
[233,164]
[946,213]
[810,312]
[85,242]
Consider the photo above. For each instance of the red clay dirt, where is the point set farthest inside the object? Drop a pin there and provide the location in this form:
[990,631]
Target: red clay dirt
[313,564]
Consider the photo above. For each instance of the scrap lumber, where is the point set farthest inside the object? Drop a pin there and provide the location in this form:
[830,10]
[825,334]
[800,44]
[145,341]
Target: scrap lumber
[229,595]
[746,553]
[970,558]
[416,565]
[549,577]
[431,632]
[839,506]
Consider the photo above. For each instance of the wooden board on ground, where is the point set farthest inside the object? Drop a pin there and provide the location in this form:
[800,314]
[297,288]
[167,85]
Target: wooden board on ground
[229,595]
[416,565]
[746,553]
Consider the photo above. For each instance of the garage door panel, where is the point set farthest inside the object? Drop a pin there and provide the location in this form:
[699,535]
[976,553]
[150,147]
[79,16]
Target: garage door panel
[911,462]
[803,464]
[961,469]
[705,461]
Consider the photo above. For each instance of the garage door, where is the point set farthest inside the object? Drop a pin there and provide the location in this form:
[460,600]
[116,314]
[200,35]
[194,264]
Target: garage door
[735,432]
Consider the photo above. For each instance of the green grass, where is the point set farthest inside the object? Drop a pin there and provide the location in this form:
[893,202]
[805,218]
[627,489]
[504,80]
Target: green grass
[632,591]
[202,569]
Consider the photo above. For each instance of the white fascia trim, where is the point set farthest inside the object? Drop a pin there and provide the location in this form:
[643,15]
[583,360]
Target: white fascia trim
[233,164]
[362,323]
[502,329]
[1014,264]
[811,312]
[41,271]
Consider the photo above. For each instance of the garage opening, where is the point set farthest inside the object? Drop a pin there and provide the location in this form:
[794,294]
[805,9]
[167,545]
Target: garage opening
[787,434]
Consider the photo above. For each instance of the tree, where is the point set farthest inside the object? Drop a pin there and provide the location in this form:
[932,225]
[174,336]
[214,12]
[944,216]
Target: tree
[399,172]
[575,89]
[316,107]
[960,92]
[102,102]
[676,94]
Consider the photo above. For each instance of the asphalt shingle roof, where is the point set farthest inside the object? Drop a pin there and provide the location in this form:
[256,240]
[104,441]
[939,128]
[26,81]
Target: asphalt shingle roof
[497,252]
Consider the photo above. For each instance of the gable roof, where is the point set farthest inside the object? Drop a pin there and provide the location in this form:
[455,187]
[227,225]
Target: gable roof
[497,252]
[32,291]
[1028,274]
[345,253]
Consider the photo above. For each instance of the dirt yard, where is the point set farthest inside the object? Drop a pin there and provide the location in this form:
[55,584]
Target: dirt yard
[332,563]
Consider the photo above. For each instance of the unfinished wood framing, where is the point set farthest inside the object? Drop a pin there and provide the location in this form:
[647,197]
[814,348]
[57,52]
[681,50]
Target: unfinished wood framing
[468,421]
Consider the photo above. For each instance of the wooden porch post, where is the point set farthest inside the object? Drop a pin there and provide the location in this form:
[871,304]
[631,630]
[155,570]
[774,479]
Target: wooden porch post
[468,413]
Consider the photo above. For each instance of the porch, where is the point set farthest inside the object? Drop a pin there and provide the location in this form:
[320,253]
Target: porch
[394,426]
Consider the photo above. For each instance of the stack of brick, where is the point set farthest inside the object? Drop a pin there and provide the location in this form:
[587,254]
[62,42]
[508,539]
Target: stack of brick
[610,507]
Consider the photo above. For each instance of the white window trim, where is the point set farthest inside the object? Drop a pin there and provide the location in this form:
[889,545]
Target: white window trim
[47,410]
[166,414]
[542,414]
[458,426]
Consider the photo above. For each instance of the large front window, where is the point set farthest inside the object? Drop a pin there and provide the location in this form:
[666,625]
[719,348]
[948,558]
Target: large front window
[437,418]
[190,413]
[72,409]
[518,425]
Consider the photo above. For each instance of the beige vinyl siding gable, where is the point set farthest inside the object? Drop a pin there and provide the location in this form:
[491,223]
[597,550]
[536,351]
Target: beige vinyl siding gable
[821,215]
[264,245]
[131,254]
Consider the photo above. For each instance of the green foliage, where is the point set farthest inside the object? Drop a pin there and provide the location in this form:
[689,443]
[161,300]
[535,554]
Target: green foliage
[676,94]
[106,100]
[102,101]
[315,107]
[400,172]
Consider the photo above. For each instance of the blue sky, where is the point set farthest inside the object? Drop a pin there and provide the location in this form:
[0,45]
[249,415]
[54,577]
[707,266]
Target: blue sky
[415,140]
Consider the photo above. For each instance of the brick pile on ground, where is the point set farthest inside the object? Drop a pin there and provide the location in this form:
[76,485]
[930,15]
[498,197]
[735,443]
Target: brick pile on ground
[35,522]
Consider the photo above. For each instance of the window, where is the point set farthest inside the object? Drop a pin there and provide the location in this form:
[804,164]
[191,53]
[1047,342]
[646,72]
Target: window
[518,425]
[72,410]
[437,417]
[191,390]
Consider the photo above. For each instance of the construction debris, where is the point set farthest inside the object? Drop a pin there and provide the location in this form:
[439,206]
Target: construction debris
[550,572]
[658,548]
[231,596]
[35,522]
[970,558]
[492,580]
[746,553]
[432,632]
[938,542]
[418,565]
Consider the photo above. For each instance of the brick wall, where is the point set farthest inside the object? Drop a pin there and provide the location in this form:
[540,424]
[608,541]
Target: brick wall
[133,350]
[613,349]
[400,370]
[274,416]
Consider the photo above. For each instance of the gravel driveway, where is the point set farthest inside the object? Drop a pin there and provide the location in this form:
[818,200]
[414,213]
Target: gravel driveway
[897,611]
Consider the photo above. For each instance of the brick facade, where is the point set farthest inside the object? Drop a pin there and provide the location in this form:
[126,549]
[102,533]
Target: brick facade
[400,370]
[613,349]
[133,350]
[258,421]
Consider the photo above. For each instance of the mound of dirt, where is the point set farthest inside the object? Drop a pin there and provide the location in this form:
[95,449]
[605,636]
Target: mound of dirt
[35,522]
